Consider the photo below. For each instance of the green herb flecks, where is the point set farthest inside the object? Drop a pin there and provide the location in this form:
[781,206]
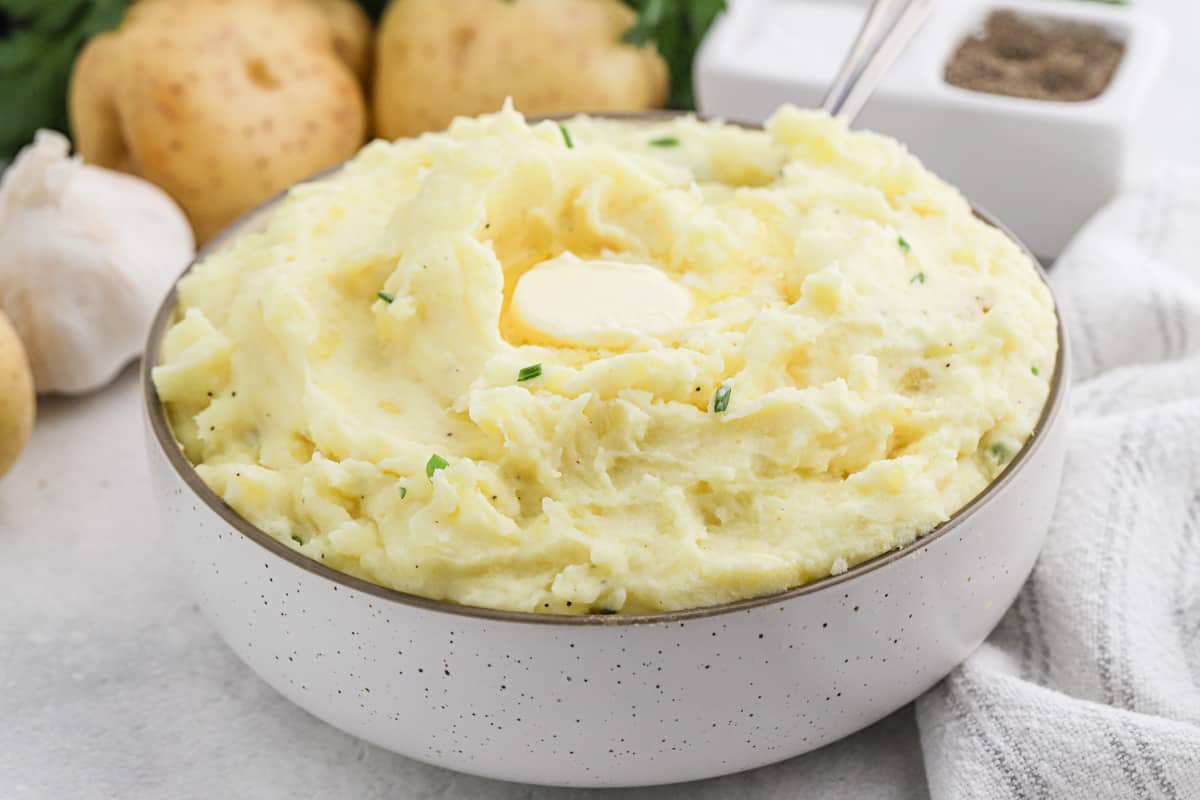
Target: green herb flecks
[606,611]
[385,297]
[721,398]
[566,134]
[435,463]
[296,538]
[403,492]
[999,452]
[918,278]
[665,141]
[529,373]
[1034,370]
[904,245]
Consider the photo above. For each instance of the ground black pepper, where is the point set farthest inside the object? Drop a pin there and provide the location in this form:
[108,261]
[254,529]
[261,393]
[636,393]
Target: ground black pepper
[1036,57]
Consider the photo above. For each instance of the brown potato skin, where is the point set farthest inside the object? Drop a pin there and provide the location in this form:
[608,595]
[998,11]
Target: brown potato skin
[222,103]
[17,400]
[351,34]
[435,60]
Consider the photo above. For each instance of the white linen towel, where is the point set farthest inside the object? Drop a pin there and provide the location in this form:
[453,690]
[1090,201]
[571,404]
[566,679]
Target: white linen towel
[1090,687]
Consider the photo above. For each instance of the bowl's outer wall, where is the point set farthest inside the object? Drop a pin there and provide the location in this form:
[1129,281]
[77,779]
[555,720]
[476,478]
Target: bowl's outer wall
[609,705]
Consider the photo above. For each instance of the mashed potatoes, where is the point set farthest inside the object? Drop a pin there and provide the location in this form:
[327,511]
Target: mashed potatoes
[848,357]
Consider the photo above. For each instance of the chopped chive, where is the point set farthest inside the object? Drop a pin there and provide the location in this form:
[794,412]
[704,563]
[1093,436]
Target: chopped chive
[904,245]
[385,297]
[435,463]
[999,452]
[566,136]
[1034,370]
[918,278]
[297,539]
[664,141]
[721,398]
[403,492]
[529,373]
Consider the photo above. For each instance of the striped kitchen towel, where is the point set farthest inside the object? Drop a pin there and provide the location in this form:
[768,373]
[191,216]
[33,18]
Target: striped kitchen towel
[1090,687]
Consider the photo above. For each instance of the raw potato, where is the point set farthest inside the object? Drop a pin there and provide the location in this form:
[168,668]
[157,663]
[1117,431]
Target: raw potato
[351,34]
[435,60]
[16,396]
[223,103]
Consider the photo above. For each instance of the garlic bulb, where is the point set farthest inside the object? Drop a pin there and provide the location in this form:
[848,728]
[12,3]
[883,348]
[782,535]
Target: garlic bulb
[86,255]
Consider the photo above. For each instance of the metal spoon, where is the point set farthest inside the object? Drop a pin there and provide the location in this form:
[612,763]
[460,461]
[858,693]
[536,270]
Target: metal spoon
[885,32]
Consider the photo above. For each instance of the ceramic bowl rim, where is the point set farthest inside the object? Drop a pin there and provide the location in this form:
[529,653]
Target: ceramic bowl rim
[173,452]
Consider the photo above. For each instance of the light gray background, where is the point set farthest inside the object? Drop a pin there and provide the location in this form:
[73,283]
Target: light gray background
[112,684]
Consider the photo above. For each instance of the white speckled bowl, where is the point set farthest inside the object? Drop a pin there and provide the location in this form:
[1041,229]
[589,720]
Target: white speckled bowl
[609,700]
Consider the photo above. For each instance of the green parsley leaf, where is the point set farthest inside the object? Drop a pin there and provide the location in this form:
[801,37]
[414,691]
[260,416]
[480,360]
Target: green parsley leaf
[665,141]
[38,45]
[904,245]
[1034,370]
[435,463]
[566,134]
[918,278]
[403,492]
[529,373]
[297,539]
[676,28]
[721,398]
[385,297]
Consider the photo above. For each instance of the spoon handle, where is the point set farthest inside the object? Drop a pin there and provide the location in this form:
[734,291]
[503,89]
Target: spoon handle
[886,30]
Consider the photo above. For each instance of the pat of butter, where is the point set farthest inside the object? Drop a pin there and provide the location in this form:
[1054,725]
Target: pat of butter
[569,300]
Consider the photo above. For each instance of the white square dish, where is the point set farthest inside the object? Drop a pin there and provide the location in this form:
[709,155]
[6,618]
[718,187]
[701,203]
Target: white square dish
[1043,167]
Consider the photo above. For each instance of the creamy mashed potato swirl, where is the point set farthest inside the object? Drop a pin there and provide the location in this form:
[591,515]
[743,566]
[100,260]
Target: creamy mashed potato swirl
[858,357]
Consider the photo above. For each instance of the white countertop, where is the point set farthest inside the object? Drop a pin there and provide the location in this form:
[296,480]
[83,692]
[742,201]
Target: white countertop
[112,684]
